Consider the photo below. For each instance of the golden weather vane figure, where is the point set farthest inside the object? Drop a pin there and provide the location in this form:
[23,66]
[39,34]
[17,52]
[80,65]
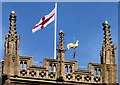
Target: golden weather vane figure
[71,45]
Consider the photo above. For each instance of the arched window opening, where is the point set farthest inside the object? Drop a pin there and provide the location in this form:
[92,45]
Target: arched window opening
[21,63]
[99,72]
[70,69]
[54,68]
[66,69]
[25,65]
[95,71]
[50,67]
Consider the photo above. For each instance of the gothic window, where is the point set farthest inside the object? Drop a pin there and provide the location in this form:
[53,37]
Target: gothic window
[21,63]
[25,65]
[50,67]
[54,67]
[95,71]
[99,72]
[66,69]
[70,69]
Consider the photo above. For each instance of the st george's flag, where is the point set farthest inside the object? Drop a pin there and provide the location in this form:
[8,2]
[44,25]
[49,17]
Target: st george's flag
[47,19]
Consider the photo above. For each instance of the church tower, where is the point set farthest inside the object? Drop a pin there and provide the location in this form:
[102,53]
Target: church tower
[11,56]
[108,57]
[20,70]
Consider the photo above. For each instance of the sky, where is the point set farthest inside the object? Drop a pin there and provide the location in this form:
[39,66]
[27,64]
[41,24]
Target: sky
[79,21]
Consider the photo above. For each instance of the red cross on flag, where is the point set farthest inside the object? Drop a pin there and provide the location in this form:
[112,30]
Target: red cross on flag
[47,19]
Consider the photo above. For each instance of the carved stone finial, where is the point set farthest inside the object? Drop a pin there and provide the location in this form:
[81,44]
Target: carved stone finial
[106,22]
[61,42]
[107,34]
[12,17]
[107,49]
[106,25]
[12,25]
[61,33]
[60,57]
[12,11]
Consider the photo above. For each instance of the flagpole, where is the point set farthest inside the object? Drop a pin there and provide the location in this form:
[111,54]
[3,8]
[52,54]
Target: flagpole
[55,30]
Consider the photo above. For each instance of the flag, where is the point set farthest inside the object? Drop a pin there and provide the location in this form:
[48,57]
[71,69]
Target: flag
[47,19]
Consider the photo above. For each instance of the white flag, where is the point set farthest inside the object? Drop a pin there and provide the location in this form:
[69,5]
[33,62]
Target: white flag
[44,21]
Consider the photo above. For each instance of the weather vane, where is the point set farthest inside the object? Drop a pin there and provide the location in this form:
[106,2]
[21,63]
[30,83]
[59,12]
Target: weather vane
[71,45]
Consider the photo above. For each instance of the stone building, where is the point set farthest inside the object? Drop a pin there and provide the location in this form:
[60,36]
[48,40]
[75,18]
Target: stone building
[53,70]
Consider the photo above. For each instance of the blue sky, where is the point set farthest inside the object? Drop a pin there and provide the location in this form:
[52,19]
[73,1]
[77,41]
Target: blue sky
[80,20]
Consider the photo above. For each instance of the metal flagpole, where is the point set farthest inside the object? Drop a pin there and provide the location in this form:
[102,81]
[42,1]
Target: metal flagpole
[55,30]
[55,33]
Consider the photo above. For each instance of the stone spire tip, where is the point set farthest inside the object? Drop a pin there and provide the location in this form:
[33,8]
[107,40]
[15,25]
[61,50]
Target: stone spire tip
[61,31]
[12,11]
[106,22]
[2,60]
